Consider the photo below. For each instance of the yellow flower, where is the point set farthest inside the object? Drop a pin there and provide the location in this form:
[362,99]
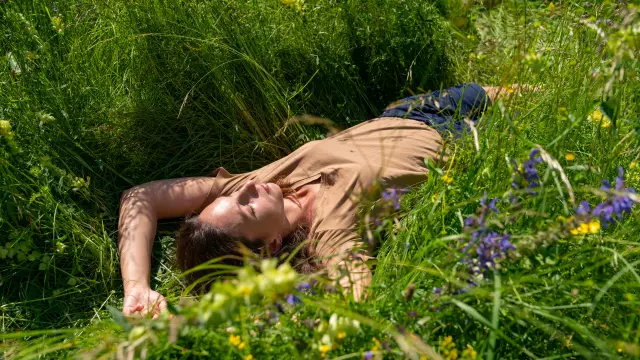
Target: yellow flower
[234,340]
[376,347]
[341,335]
[324,349]
[569,156]
[551,6]
[450,354]
[447,342]
[469,353]
[447,179]
[591,227]
[5,128]
[633,165]
[241,345]
[248,357]
[599,117]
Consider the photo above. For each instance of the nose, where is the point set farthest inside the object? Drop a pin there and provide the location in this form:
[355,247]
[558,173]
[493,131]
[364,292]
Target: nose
[250,188]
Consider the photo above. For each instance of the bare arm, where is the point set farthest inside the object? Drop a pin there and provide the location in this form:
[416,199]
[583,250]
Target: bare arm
[358,279]
[500,92]
[140,209]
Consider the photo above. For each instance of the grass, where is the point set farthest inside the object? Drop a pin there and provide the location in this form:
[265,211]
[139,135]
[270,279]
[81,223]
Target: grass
[102,96]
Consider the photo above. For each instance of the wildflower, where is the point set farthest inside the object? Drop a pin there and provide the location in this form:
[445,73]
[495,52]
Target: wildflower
[616,205]
[376,345]
[569,156]
[341,335]
[303,286]
[583,208]
[486,246]
[393,196]
[437,290]
[57,24]
[597,116]
[447,342]
[293,300]
[492,203]
[368,355]
[590,227]
[551,6]
[324,349]
[5,129]
[594,226]
[234,340]
[527,173]
[447,179]
[450,354]
[469,353]
[250,357]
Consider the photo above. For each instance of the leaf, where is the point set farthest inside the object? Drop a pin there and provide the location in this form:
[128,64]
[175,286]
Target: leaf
[432,167]
[119,318]
[609,108]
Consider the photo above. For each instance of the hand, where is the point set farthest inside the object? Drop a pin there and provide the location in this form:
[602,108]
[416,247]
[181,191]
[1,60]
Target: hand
[140,301]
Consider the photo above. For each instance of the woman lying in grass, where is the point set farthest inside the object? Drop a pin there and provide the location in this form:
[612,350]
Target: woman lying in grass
[310,194]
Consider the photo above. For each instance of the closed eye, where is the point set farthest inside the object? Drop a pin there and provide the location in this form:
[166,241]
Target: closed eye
[253,211]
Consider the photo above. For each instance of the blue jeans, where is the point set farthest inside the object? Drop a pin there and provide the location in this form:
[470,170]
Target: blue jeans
[443,109]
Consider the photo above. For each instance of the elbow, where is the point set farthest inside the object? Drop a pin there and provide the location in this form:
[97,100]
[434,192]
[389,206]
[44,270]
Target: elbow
[136,194]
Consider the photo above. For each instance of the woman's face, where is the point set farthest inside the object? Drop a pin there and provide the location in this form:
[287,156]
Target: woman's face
[255,212]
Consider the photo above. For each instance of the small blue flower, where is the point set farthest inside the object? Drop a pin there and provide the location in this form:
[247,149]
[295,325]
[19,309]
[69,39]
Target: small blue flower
[528,173]
[614,205]
[394,195]
[303,286]
[293,300]
[437,290]
[368,355]
[583,208]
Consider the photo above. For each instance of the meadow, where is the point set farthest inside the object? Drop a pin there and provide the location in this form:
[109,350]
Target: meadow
[523,245]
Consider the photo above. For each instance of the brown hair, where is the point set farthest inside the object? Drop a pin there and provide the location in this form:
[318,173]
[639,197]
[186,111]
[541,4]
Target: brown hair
[198,242]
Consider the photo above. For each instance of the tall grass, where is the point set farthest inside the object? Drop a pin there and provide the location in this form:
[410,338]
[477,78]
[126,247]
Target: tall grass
[104,96]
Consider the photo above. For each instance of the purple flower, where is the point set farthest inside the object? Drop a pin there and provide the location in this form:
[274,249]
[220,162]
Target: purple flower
[394,195]
[437,290]
[583,208]
[528,173]
[293,300]
[492,203]
[614,205]
[303,286]
[368,355]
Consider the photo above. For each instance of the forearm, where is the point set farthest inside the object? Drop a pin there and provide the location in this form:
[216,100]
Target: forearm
[500,92]
[356,277]
[137,229]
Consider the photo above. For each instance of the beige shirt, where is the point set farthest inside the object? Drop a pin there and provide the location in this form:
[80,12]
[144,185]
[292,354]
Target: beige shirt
[389,150]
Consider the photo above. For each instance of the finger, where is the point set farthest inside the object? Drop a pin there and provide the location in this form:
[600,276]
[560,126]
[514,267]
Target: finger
[155,316]
[162,305]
